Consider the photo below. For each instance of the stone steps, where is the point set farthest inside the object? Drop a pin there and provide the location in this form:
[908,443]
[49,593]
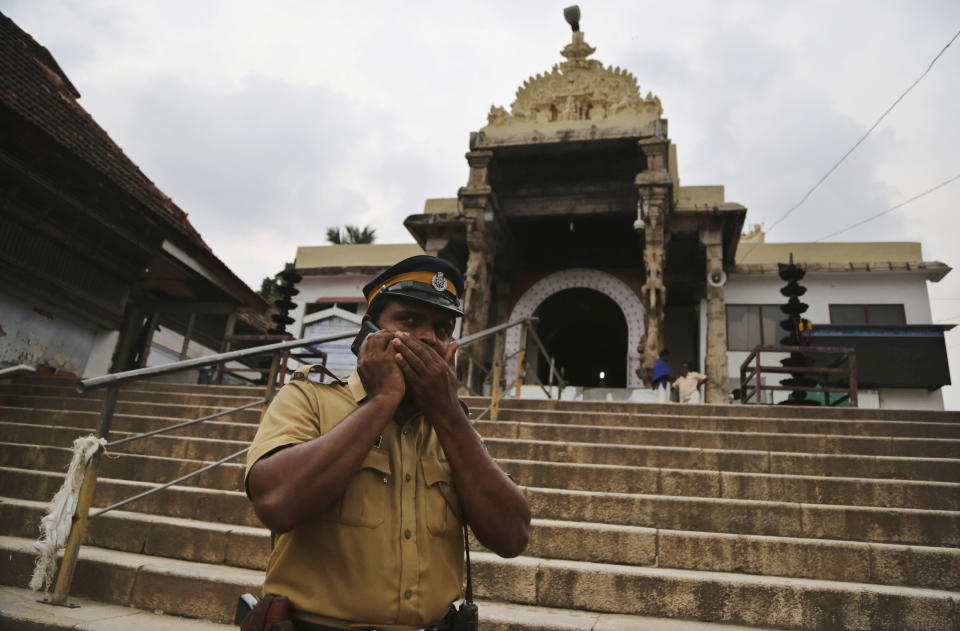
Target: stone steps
[131,392]
[768,411]
[168,445]
[249,547]
[183,411]
[145,384]
[19,609]
[704,439]
[750,515]
[755,461]
[879,467]
[922,429]
[582,477]
[208,591]
[923,466]
[224,427]
[649,416]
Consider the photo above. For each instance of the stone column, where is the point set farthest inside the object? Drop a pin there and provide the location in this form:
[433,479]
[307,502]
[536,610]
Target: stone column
[654,201]
[477,201]
[715,364]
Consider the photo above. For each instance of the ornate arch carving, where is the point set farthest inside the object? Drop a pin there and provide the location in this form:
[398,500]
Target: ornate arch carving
[605,283]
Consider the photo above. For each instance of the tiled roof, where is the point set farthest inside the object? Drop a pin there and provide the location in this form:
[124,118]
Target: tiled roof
[34,87]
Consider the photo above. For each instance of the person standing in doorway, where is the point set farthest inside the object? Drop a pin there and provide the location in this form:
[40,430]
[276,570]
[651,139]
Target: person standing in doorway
[688,384]
[661,376]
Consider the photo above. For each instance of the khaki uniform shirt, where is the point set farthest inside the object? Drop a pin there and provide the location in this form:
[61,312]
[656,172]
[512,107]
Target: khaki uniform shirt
[387,554]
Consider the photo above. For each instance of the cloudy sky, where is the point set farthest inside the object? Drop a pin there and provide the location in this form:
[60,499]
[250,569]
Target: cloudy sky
[270,122]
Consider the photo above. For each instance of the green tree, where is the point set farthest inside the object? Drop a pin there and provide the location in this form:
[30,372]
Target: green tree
[270,287]
[351,235]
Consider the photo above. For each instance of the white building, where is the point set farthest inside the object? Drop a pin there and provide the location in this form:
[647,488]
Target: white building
[868,287]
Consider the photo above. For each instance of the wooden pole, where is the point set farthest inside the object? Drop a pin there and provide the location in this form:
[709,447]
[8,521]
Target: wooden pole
[78,531]
[151,328]
[225,345]
[188,335]
[497,370]
[520,359]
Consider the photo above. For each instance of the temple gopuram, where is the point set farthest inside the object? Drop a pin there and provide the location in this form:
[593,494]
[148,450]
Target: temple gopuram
[573,213]
[573,209]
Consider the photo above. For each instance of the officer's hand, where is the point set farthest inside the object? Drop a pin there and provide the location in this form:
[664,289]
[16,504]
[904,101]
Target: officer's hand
[431,377]
[378,369]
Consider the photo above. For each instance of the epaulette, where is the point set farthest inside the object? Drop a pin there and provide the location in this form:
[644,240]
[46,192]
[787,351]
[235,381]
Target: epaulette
[303,373]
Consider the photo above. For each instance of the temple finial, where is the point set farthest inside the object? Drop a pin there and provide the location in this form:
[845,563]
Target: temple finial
[572,15]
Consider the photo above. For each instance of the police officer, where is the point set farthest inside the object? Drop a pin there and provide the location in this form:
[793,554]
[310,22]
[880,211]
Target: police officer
[366,482]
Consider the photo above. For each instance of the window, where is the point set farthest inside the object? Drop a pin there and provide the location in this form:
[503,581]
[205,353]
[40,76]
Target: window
[867,314]
[750,325]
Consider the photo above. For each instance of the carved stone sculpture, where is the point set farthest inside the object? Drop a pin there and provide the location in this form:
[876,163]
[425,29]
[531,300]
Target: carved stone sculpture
[578,89]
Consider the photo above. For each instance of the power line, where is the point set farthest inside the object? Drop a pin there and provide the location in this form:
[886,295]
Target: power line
[889,210]
[864,137]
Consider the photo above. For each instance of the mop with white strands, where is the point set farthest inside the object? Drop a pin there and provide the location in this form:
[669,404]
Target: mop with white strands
[55,525]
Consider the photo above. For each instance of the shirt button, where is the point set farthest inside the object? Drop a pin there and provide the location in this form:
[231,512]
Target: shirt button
[408,594]
[407,477]
[407,533]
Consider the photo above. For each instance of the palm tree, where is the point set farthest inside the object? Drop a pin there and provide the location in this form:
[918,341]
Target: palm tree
[351,235]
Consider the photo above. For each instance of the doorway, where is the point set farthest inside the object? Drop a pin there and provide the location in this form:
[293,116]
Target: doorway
[585,331]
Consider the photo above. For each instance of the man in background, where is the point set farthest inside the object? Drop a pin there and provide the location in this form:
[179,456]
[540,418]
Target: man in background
[661,376]
[688,384]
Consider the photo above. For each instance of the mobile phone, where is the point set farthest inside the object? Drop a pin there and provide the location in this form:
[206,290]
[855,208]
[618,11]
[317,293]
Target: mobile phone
[366,329]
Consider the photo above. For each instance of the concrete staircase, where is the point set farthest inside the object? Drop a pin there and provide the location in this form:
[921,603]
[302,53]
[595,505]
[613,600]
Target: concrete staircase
[645,516]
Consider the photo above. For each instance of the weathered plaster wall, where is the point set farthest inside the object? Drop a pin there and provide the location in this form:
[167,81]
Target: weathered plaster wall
[101,354]
[32,335]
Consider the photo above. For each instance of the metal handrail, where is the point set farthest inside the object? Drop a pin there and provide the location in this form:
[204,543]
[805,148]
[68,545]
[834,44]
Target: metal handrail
[167,485]
[485,410]
[494,373]
[485,333]
[164,430]
[206,360]
[755,372]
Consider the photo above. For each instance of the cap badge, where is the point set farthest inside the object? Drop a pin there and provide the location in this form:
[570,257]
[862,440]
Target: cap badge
[439,282]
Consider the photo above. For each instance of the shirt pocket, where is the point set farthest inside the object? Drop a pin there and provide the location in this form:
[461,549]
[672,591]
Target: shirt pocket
[365,501]
[444,516]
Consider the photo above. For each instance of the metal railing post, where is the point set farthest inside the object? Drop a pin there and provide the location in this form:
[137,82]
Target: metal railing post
[759,381]
[469,373]
[852,376]
[550,380]
[271,382]
[521,356]
[81,521]
[495,381]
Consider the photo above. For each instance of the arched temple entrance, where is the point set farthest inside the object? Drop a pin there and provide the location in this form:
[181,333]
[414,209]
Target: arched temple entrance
[586,333]
[585,327]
